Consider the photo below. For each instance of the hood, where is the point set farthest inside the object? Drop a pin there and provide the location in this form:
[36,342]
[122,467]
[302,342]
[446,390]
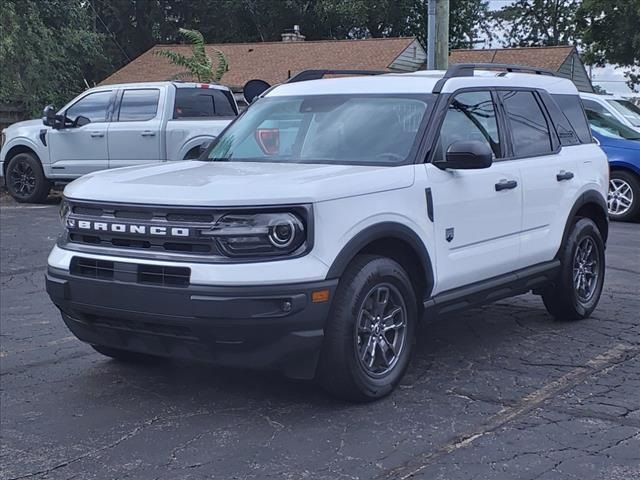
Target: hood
[27,124]
[236,183]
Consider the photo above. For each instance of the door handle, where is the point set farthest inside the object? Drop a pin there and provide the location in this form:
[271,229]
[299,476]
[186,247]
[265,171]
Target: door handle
[564,176]
[506,185]
[97,134]
[148,133]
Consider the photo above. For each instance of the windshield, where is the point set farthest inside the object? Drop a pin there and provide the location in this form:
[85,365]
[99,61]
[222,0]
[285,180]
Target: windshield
[610,127]
[630,111]
[341,129]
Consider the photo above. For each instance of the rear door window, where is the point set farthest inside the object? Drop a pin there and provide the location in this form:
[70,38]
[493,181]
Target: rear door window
[194,103]
[571,106]
[139,105]
[530,133]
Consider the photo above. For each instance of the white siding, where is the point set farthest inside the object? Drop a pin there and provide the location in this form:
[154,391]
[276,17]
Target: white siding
[411,59]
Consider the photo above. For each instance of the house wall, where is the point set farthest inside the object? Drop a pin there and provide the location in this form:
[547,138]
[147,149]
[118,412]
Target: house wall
[411,59]
[574,69]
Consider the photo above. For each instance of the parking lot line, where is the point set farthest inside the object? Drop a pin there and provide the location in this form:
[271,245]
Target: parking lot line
[597,365]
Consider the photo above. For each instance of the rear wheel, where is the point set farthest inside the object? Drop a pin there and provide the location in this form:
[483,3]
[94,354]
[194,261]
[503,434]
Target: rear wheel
[370,332]
[125,355]
[577,290]
[25,179]
[623,200]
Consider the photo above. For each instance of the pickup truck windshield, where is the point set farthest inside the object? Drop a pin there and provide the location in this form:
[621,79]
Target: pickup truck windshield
[341,129]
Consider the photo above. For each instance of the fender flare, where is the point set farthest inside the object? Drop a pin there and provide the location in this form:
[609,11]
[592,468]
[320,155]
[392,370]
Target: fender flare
[380,231]
[588,197]
[21,142]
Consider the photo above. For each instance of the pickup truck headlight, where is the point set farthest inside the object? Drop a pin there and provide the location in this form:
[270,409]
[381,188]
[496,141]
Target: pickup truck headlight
[259,234]
[65,210]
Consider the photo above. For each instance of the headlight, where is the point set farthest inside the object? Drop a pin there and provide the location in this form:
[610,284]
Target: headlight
[65,210]
[260,234]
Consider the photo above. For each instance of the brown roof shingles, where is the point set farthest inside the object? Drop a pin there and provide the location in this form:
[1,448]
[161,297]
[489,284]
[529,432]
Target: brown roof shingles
[550,58]
[271,61]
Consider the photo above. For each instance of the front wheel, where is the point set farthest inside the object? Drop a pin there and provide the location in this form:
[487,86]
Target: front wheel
[623,200]
[576,292]
[25,179]
[370,331]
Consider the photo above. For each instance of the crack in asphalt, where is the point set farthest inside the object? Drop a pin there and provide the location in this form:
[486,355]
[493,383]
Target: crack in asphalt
[600,364]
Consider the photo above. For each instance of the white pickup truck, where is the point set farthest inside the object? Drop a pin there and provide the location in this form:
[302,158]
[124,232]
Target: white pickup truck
[112,126]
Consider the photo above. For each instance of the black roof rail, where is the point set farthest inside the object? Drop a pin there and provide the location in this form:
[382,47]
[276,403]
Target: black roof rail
[468,69]
[318,74]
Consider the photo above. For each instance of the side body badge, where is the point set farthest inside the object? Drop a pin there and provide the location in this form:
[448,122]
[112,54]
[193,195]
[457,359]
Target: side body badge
[449,233]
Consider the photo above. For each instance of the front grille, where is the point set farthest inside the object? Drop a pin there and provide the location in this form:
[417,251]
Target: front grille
[161,275]
[192,220]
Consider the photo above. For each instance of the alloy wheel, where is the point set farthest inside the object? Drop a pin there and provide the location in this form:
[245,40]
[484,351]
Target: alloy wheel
[381,330]
[620,197]
[23,179]
[586,268]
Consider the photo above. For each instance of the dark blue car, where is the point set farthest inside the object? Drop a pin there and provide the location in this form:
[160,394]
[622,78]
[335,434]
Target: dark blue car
[622,146]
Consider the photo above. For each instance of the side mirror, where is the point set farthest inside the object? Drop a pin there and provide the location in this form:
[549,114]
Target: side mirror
[49,117]
[205,146]
[467,155]
[81,121]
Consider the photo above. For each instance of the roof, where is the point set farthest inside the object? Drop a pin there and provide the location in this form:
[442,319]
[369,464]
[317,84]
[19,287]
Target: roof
[550,58]
[271,61]
[422,82]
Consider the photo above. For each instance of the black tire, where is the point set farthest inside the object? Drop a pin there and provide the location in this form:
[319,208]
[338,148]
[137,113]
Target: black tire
[630,185]
[341,370]
[193,154]
[565,299]
[126,356]
[25,179]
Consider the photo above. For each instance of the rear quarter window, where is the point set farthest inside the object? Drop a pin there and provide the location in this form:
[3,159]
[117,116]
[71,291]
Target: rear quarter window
[571,106]
[199,103]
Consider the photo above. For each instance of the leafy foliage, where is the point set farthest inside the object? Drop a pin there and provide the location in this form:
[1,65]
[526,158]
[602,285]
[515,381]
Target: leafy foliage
[199,65]
[538,22]
[47,51]
[50,50]
[610,31]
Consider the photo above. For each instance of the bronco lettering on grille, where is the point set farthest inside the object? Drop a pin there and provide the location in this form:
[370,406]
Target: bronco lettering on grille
[135,229]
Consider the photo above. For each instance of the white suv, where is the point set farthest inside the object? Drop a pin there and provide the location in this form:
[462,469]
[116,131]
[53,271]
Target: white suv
[335,215]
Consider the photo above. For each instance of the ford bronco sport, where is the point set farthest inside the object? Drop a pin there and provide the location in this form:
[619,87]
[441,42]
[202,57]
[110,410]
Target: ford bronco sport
[332,217]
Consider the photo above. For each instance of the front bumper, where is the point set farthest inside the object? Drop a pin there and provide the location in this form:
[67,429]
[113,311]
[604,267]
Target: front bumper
[262,327]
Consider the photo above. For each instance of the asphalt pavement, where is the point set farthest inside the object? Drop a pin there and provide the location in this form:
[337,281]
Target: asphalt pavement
[498,392]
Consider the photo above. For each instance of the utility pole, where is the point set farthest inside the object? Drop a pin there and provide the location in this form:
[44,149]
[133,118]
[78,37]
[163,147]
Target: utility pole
[442,34]
[431,34]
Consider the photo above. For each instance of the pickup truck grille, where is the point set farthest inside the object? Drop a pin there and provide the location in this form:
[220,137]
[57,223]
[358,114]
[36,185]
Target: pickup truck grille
[142,228]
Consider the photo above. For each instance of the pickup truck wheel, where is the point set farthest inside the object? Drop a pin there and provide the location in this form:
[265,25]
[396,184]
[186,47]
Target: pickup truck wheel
[623,200]
[125,355]
[25,179]
[577,291]
[370,331]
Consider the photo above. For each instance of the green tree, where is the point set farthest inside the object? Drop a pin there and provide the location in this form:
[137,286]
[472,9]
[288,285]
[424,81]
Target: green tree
[610,31]
[199,65]
[530,23]
[47,51]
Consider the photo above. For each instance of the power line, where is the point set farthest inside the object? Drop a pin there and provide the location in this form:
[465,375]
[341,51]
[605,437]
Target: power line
[113,37]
